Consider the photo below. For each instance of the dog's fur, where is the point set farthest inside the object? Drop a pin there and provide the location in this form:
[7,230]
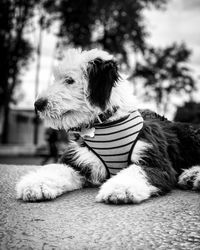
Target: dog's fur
[87,85]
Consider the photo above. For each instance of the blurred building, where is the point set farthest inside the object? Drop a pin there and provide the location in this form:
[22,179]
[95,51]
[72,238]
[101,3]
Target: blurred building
[21,128]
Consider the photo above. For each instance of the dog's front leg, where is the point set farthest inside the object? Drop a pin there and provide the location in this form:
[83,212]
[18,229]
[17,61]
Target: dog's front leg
[48,182]
[130,185]
[85,162]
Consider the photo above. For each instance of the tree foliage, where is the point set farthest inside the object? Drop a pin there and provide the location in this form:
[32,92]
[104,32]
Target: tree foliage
[164,72]
[15,50]
[111,24]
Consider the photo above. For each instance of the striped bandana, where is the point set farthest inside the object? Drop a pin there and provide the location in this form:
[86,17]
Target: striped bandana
[113,142]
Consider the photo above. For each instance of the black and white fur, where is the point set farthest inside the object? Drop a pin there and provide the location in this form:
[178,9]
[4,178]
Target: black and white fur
[87,85]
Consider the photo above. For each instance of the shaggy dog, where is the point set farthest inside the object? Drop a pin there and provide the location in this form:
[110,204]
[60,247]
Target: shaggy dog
[130,158]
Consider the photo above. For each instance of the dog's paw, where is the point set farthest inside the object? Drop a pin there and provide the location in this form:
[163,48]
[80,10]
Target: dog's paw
[119,193]
[46,183]
[190,178]
[33,188]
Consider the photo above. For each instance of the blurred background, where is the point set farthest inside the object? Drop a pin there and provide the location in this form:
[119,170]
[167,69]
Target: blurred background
[157,44]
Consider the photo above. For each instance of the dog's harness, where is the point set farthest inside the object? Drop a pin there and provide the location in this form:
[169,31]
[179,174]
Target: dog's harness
[113,142]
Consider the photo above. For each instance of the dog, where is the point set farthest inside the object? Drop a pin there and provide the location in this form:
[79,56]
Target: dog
[130,158]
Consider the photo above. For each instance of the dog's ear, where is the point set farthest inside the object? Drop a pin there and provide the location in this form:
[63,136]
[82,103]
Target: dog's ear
[102,77]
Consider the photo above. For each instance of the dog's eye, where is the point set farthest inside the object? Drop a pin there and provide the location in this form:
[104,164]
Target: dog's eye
[69,81]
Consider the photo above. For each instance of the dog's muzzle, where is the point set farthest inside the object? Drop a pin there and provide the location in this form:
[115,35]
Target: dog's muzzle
[40,104]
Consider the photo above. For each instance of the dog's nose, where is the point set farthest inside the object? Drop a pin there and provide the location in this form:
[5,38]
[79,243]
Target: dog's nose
[40,104]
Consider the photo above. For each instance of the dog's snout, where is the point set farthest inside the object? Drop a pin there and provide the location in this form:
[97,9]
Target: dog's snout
[40,104]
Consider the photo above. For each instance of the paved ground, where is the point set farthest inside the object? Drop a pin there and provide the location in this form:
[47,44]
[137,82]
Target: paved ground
[75,221]
[21,160]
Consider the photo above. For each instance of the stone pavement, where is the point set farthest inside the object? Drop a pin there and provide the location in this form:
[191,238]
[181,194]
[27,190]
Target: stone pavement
[76,221]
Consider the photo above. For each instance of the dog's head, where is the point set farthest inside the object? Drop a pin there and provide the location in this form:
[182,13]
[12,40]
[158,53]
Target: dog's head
[81,90]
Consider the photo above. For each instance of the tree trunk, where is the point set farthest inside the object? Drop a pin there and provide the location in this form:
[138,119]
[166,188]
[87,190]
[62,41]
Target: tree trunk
[5,131]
